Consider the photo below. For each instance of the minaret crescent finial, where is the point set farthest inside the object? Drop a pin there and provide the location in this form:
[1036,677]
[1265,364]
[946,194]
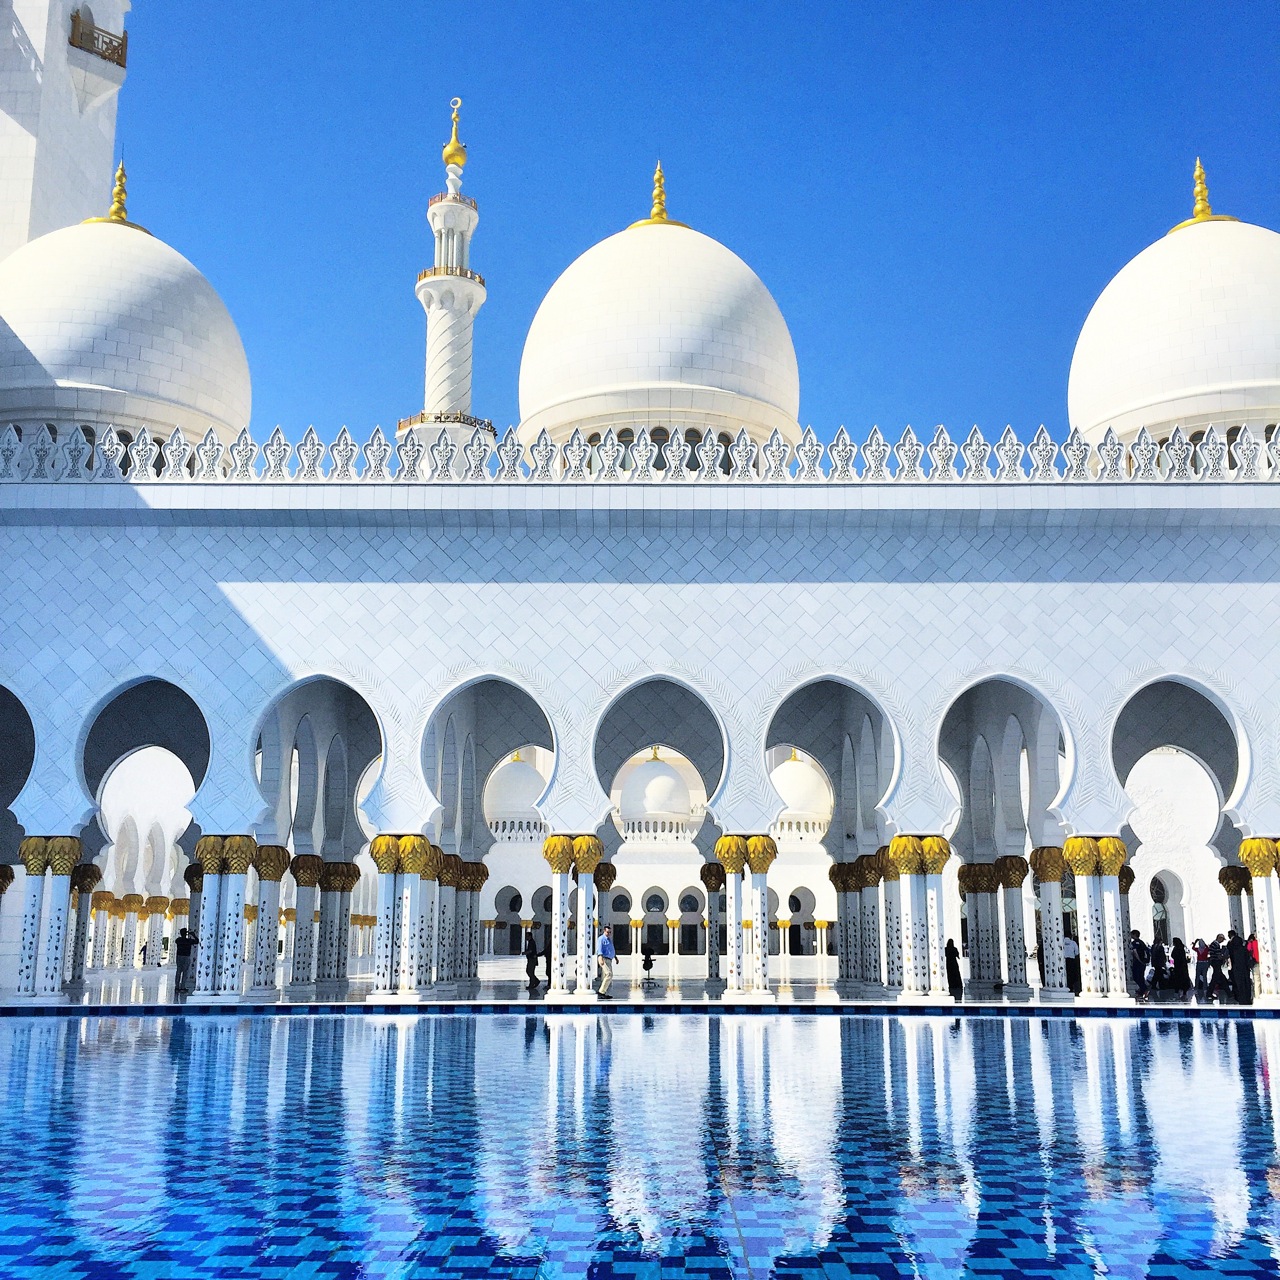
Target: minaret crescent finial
[454,151]
[659,211]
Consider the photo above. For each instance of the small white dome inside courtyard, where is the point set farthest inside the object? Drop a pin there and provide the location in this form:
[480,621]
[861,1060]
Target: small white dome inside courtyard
[512,791]
[655,789]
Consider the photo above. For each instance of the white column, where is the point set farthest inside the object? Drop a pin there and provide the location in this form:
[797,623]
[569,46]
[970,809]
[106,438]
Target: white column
[231,934]
[1117,946]
[409,931]
[870,936]
[210,923]
[912,904]
[302,971]
[893,935]
[586,935]
[80,943]
[129,933]
[101,927]
[268,937]
[327,944]
[1015,942]
[560,899]
[1093,951]
[155,939]
[822,927]
[1048,864]
[784,954]
[735,976]
[57,908]
[1235,914]
[760,928]
[713,934]
[446,896]
[936,929]
[428,891]
[385,973]
[850,940]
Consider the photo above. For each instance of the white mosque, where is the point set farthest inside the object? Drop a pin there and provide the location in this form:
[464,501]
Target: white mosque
[787,709]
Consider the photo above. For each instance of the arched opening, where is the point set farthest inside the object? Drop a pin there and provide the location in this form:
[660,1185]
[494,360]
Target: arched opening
[1002,750]
[319,742]
[150,714]
[1176,754]
[472,735]
[508,936]
[17,756]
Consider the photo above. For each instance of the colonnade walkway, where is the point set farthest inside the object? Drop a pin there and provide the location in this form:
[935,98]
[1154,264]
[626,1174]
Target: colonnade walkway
[502,982]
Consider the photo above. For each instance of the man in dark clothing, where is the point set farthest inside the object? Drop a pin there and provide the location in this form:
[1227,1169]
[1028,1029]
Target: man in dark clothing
[1241,968]
[184,946]
[1138,957]
[1218,986]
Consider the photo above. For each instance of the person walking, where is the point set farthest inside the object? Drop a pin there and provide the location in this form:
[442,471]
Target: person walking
[1201,949]
[1180,979]
[1218,985]
[605,956]
[1071,954]
[955,984]
[1241,969]
[1252,944]
[184,949]
[531,962]
[1159,965]
[1139,957]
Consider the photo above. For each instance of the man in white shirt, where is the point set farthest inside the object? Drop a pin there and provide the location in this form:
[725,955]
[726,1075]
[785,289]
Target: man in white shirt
[605,956]
[1071,953]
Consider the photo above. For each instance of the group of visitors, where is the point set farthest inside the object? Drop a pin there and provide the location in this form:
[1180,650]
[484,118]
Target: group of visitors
[1224,968]
[605,956]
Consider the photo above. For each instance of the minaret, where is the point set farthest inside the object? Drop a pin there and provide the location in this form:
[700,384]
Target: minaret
[59,85]
[451,294]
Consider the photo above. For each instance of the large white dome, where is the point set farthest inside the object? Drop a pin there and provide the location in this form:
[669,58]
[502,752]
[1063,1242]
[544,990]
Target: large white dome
[659,325]
[1188,333]
[654,789]
[102,323]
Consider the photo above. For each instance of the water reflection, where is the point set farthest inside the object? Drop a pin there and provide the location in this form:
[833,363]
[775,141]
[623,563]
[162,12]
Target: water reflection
[550,1146]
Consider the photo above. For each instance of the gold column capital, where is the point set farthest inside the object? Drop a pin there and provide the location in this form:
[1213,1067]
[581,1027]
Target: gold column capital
[271,861]
[712,876]
[1012,871]
[1048,862]
[558,851]
[761,853]
[587,853]
[306,869]
[1259,855]
[731,854]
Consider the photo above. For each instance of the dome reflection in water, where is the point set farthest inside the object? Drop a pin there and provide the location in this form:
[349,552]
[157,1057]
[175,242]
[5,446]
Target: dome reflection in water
[576,1146]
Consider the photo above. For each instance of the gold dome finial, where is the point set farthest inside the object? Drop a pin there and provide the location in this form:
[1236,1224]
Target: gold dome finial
[117,213]
[659,211]
[795,755]
[655,753]
[454,152]
[515,756]
[1201,210]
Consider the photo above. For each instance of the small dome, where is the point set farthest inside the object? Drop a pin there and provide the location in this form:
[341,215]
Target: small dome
[512,791]
[804,789]
[654,789]
[1187,333]
[659,325]
[102,323]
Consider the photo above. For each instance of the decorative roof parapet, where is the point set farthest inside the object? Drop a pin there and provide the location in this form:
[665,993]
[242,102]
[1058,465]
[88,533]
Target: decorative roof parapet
[39,454]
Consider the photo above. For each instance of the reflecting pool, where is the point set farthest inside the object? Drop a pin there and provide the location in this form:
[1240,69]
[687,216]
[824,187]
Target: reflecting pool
[638,1146]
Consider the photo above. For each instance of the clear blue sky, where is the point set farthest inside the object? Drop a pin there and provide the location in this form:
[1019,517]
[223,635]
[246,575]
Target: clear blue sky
[935,194]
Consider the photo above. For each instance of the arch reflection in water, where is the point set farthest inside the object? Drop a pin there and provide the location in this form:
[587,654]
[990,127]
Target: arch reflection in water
[560,1146]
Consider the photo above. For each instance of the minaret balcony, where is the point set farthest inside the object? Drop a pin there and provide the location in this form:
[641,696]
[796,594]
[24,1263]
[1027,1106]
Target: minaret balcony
[105,44]
[448,197]
[461,272]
